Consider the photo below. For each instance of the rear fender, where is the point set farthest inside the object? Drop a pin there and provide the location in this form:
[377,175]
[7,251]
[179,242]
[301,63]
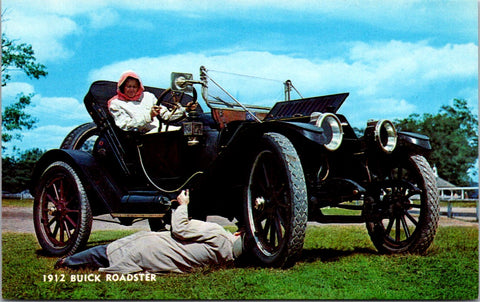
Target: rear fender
[103,192]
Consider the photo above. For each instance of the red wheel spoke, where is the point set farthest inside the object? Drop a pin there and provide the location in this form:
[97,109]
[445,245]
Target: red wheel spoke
[56,191]
[51,221]
[55,230]
[51,199]
[261,216]
[62,235]
[72,211]
[69,219]
[62,190]
[67,230]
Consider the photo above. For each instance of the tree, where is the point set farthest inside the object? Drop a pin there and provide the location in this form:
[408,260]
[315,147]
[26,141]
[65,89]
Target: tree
[18,56]
[17,170]
[453,135]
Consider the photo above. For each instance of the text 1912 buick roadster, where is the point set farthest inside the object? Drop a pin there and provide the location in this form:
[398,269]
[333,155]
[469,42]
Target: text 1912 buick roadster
[271,169]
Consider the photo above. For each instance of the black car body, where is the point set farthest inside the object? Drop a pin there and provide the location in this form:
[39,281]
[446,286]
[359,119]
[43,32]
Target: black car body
[271,169]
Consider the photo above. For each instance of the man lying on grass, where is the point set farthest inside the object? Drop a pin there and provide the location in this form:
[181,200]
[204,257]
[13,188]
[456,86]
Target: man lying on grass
[189,244]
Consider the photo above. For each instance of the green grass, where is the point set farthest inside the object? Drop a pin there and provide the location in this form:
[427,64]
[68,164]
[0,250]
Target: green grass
[460,204]
[338,262]
[17,202]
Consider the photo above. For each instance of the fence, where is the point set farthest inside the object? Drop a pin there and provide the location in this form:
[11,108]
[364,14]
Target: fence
[460,194]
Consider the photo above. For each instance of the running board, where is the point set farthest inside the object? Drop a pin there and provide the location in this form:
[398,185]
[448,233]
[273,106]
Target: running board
[137,215]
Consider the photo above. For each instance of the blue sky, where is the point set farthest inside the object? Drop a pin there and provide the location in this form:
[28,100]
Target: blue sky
[394,57]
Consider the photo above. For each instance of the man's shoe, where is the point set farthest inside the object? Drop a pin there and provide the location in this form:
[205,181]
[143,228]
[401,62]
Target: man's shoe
[60,263]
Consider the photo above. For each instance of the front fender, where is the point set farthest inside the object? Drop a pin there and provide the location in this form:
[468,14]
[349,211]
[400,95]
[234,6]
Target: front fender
[289,129]
[309,131]
[416,141]
[103,192]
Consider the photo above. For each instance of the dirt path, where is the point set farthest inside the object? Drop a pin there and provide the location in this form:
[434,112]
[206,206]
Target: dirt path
[20,219]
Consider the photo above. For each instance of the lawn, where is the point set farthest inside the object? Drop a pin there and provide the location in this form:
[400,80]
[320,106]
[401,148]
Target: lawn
[338,262]
[17,203]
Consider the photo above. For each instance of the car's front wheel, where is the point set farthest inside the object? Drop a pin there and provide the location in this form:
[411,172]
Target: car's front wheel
[61,212]
[275,203]
[403,214]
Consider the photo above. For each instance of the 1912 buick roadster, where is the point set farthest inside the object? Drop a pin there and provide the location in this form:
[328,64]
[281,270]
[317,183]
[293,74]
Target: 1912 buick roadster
[271,169]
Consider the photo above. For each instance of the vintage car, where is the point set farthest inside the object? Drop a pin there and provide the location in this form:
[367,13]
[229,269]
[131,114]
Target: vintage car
[270,170]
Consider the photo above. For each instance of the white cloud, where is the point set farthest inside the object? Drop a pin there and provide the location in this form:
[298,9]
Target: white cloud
[396,64]
[389,108]
[58,110]
[103,18]
[56,117]
[359,111]
[45,24]
[44,32]
[10,91]
[384,79]
[44,137]
[379,69]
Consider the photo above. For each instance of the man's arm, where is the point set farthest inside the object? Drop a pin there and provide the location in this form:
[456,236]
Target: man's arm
[194,230]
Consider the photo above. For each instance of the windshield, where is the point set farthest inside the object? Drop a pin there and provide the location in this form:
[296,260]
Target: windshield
[226,89]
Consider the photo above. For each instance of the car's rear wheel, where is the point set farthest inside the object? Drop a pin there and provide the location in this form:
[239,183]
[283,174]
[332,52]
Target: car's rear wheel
[81,138]
[61,212]
[275,203]
[403,216]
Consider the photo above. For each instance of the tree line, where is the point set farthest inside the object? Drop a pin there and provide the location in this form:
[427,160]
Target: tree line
[453,131]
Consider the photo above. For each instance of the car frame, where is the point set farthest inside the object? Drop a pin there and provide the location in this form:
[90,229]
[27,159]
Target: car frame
[269,169]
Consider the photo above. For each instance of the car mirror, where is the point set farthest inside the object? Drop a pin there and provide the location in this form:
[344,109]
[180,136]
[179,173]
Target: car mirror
[182,81]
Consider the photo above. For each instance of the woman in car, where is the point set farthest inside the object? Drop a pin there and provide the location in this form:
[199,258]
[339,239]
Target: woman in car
[133,108]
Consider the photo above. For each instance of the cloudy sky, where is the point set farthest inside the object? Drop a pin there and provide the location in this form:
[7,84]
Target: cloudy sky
[393,57]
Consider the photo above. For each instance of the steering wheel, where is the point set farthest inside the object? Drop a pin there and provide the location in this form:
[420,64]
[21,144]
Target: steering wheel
[175,98]
[172,100]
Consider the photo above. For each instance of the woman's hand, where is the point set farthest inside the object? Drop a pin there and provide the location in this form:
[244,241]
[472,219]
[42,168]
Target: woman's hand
[154,111]
[191,106]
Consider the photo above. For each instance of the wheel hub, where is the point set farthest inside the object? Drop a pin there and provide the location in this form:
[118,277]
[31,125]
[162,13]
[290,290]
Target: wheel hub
[398,204]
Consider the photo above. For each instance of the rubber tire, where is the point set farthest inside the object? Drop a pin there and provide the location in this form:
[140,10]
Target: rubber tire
[76,139]
[61,172]
[295,204]
[422,237]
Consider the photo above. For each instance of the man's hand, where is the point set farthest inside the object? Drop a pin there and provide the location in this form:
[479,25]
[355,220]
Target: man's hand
[183,197]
